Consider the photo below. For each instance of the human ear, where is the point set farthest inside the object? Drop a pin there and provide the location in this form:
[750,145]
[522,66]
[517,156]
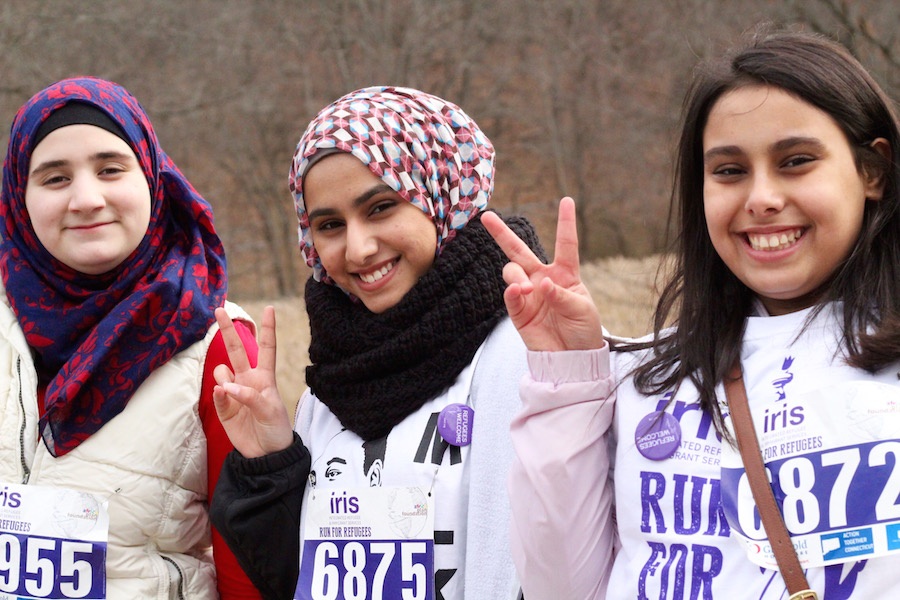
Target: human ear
[876,174]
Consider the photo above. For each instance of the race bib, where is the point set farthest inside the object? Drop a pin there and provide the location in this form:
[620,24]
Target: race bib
[52,543]
[368,543]
[833,459]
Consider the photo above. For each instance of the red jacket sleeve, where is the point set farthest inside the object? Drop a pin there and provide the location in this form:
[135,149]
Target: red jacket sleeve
[233,584]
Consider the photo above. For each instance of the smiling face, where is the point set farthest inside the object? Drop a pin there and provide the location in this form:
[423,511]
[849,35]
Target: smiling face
[87,197]
[782,194]
[374,244]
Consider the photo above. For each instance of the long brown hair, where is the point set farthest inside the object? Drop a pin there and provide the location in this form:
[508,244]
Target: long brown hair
[706,304]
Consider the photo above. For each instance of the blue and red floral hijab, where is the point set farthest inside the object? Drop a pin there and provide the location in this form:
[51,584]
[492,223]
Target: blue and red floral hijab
[96,338]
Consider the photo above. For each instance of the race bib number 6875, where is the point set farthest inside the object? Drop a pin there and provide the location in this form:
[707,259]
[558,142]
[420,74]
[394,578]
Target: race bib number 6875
[368,543]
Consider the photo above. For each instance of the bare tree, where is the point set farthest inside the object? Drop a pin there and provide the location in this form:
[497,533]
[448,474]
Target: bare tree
[580,97]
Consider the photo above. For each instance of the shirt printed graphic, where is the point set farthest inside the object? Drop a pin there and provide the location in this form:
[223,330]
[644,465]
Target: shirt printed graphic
[412,457]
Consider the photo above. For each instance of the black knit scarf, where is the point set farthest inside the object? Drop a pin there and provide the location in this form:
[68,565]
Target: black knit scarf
[373,370]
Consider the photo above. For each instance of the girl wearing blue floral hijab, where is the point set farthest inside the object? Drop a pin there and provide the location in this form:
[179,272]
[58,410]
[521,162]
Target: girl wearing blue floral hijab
[112,271]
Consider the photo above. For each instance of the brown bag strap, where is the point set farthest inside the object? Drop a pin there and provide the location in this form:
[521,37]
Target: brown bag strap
[773,522]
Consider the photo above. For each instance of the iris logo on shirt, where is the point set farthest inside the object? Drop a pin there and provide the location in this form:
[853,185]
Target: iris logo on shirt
[10,499]
[782,416]
[343,504]
[680,409]
[780,383]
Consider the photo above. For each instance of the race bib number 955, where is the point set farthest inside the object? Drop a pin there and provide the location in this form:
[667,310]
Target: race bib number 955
[52,543]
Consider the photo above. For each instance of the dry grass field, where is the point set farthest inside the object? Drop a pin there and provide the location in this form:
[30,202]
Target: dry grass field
[622,288]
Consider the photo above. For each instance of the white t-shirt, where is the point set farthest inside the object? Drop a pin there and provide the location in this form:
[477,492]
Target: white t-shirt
[413,454]
[678,516]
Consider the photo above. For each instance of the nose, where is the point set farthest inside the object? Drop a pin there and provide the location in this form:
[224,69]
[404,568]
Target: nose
[765,195]
[361,244]
[86,194]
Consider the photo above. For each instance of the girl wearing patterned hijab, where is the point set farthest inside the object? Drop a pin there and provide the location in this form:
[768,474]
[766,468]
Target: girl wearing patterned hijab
[112,270]
[414,371]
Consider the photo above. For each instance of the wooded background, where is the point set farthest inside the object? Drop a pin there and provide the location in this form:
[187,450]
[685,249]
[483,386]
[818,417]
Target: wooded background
[580,97]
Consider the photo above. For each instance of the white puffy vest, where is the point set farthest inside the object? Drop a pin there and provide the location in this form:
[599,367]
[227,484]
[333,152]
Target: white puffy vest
[149,462]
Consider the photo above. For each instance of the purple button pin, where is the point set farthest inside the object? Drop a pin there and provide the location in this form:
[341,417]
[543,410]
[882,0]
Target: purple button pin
[455,424]
[658,435]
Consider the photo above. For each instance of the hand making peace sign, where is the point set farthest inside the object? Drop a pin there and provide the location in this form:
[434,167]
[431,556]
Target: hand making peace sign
[247,399]
[548,304]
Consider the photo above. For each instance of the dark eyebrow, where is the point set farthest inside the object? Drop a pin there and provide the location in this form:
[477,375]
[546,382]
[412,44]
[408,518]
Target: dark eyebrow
[779,146]
[99,156]
[379,188]
[46,166]
[724,151]
[790,142]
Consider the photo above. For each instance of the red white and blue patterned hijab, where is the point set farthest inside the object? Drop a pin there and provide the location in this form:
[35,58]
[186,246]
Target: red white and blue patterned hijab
[96,338]
[426,148]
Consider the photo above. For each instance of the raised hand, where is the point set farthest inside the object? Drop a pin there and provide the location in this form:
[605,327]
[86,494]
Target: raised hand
[548,304]
[247,399]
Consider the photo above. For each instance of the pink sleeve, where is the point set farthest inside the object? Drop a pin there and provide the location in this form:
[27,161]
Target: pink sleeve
[231,581]
[563,527]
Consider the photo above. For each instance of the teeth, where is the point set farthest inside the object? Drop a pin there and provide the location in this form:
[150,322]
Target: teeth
[774,241]
[376,275]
